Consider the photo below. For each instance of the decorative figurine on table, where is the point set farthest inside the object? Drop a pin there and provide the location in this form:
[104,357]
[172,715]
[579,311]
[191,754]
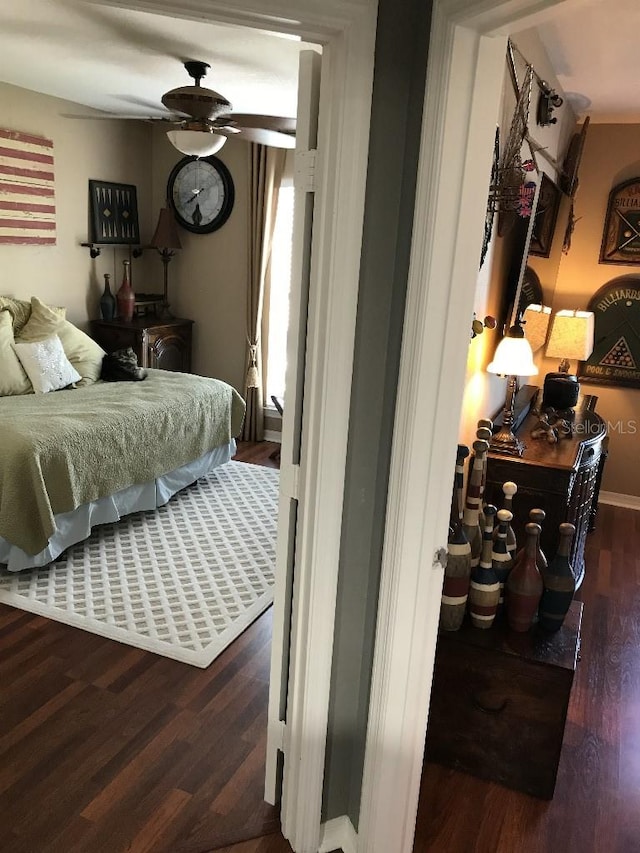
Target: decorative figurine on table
[552,426]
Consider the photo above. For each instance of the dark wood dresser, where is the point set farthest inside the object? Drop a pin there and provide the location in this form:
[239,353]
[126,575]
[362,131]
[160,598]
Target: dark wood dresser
[160,343]
[563,479]
[499,702]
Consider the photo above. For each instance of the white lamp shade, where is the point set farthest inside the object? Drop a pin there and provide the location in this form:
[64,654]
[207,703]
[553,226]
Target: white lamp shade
[536,325]
[513,357]
[197,143]
[571,335]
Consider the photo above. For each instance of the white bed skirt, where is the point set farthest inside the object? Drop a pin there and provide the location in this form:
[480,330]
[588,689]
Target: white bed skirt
[72,527]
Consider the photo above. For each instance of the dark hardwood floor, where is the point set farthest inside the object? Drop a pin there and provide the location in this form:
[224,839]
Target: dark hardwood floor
[105,748]
[596,807]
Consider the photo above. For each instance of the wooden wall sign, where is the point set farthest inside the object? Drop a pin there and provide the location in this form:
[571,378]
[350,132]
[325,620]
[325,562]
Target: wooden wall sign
[27,198]
[621,236]
[546,215]
[615,359]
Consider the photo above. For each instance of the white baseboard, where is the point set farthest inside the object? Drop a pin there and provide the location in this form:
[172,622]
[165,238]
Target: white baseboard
[614,499]
[272,435]
[338,834]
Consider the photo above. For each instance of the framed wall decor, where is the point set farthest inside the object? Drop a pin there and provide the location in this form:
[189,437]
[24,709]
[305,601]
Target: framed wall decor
[114,213]
[546,216]
[615,359]
[621,235]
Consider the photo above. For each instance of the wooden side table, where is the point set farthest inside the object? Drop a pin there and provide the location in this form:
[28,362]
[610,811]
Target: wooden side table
[499,702]
[157,342]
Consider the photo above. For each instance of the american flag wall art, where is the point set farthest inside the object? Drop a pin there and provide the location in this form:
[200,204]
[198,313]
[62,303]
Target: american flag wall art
[27,197]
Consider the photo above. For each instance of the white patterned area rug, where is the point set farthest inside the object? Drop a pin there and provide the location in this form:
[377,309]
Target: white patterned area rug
[183,580]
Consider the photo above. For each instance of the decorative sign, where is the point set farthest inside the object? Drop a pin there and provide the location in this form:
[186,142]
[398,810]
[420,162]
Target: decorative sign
[546,215]
[114,212]
[27,199]
[615,359]
[621,237]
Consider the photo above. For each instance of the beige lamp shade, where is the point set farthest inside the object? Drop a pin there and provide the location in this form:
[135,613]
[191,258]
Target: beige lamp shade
[536,325]
[513,356]
[571,335]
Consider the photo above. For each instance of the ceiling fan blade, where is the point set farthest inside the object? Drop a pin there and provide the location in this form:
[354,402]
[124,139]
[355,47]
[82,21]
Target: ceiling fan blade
[117,117]
[268,137]
[279,124]
[226,130]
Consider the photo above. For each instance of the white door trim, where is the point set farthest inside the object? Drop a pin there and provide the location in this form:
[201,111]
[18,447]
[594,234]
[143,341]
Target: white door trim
[464,82]
[346,30]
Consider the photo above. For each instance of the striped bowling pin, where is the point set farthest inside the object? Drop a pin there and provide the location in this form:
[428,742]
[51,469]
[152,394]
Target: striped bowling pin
[484,589]
[524,585]
[536,516]
[510,490]
[483,433]
[455,588]
[470,522]
[500,557]
[559,583]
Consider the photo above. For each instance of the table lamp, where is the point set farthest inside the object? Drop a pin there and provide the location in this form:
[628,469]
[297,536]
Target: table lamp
[571,338]
[513,358]
[536,325]
[166,241]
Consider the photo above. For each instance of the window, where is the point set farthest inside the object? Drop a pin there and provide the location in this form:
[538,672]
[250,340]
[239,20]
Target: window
[279,292]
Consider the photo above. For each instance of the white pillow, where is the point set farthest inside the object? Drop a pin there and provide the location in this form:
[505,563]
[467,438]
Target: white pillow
[46,365]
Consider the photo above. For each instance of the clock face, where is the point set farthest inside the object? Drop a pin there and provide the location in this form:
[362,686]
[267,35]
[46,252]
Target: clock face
[201,193]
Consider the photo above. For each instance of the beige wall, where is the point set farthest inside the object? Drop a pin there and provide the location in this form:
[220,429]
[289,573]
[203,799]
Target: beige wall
[611,155]
[64,274]
[484,393]
[208,278]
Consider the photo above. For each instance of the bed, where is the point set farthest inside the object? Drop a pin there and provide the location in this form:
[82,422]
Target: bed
[84,456]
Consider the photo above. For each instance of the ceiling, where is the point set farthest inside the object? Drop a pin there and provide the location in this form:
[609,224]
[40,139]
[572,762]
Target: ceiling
[123,61]
[593,47]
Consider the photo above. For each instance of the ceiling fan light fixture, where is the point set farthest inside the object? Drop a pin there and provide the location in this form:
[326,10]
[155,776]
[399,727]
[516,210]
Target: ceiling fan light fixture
[196,143]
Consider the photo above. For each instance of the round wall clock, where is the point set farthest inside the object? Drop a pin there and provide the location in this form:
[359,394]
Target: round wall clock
[201,193]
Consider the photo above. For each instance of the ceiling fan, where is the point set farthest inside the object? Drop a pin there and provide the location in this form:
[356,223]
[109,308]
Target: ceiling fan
[202,119]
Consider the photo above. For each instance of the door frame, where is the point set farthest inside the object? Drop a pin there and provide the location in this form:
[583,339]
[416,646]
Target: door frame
[466,67]
[346,31]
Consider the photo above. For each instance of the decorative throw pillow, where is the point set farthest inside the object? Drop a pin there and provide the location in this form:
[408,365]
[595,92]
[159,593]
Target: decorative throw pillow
[13,379]
[20,311]
[81,350]
[46,365]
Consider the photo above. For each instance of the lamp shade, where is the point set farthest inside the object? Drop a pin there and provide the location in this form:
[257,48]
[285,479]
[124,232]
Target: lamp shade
[513,356]
[196,143]
[166,234]
[571,335]
[536,325]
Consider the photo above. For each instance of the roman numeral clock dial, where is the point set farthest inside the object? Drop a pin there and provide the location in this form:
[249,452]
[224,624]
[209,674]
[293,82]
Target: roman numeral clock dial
[201,193]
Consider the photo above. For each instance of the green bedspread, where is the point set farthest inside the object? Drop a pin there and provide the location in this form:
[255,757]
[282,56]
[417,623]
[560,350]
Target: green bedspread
[63,449]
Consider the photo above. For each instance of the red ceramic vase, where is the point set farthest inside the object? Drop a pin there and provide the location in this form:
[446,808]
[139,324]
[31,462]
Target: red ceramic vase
[125,297]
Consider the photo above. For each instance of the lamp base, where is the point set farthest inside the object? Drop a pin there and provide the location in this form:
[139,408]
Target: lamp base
[504,441]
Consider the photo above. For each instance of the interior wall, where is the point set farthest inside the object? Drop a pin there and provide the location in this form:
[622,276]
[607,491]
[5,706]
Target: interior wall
[118,151]
[611,155]
[208,277]
[484,392]
[398,95]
